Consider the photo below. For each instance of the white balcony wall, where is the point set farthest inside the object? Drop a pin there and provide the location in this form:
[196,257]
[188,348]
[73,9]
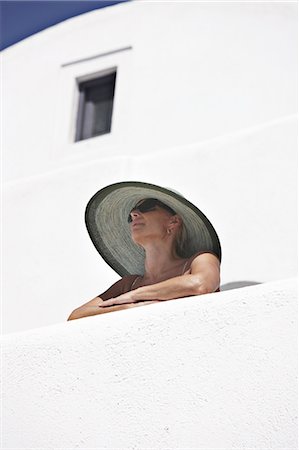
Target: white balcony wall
[216,371]
[205,103]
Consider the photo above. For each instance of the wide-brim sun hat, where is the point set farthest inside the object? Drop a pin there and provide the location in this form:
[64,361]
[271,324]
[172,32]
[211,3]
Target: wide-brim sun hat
[106,219]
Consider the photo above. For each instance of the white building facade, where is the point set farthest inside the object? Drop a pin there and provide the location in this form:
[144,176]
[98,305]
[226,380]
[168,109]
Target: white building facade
[204,102]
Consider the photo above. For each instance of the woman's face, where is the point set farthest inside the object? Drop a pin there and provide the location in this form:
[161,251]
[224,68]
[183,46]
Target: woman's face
[151,225]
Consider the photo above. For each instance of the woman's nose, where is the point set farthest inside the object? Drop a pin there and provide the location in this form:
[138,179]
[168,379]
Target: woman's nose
[135,214]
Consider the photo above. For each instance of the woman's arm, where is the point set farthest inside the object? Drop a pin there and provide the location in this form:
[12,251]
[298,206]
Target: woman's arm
[204,278]
[94,306]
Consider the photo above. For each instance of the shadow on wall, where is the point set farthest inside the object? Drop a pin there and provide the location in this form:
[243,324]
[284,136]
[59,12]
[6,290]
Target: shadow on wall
[237,284]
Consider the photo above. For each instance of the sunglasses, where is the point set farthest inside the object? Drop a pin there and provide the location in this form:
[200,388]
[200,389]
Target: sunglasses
[149,204]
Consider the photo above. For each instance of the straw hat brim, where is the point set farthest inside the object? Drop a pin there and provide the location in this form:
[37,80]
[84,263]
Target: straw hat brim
[106,219]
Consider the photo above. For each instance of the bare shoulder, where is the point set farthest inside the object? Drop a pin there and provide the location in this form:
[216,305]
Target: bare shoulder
[207,267]
[205,260]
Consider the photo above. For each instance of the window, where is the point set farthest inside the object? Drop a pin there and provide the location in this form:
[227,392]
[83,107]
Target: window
[95,106]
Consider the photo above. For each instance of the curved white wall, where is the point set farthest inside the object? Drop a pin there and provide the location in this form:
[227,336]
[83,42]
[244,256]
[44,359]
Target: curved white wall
[205,103]
[215,371]
[196,70]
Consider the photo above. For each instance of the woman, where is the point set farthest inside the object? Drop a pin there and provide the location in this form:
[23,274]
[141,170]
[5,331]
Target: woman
[160,243]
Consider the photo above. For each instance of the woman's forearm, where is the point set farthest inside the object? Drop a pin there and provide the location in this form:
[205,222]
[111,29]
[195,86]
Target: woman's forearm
[86,311]
[182,286]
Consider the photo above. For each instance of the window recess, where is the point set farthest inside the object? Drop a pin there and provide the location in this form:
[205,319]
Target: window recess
[95,106]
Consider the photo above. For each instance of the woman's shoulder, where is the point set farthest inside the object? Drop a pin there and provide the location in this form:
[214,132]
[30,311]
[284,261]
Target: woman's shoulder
[209,259]
[203,252]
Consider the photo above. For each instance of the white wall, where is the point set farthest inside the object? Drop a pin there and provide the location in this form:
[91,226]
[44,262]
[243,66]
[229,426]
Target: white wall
[196,71]
[205,103]
[216,371]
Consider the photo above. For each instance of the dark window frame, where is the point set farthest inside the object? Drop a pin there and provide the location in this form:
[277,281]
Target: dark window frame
[95,106]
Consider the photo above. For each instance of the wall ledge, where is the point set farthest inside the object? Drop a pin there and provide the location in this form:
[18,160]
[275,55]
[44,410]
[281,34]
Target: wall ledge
[216,371]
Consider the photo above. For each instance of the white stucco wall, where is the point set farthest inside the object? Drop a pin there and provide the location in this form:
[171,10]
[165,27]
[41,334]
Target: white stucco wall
[196,70]
[205,103]
[215,371]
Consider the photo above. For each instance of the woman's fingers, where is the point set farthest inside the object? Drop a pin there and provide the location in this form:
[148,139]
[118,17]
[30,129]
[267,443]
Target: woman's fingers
[109,302]
[121,300]
[124,303]
[118,307]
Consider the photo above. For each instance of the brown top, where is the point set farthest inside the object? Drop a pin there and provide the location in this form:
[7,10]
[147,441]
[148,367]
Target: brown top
[130,282]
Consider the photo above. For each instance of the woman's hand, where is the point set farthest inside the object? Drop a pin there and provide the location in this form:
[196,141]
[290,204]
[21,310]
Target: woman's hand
[120,300]
[125,299]
[99,306]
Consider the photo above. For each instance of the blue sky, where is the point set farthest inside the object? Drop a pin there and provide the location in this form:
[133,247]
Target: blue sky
[20,19]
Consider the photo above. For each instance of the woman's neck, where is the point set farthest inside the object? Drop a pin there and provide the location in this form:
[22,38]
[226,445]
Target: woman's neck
[159,261]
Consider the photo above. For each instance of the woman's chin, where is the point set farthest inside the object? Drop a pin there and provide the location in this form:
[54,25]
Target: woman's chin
[137,236]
